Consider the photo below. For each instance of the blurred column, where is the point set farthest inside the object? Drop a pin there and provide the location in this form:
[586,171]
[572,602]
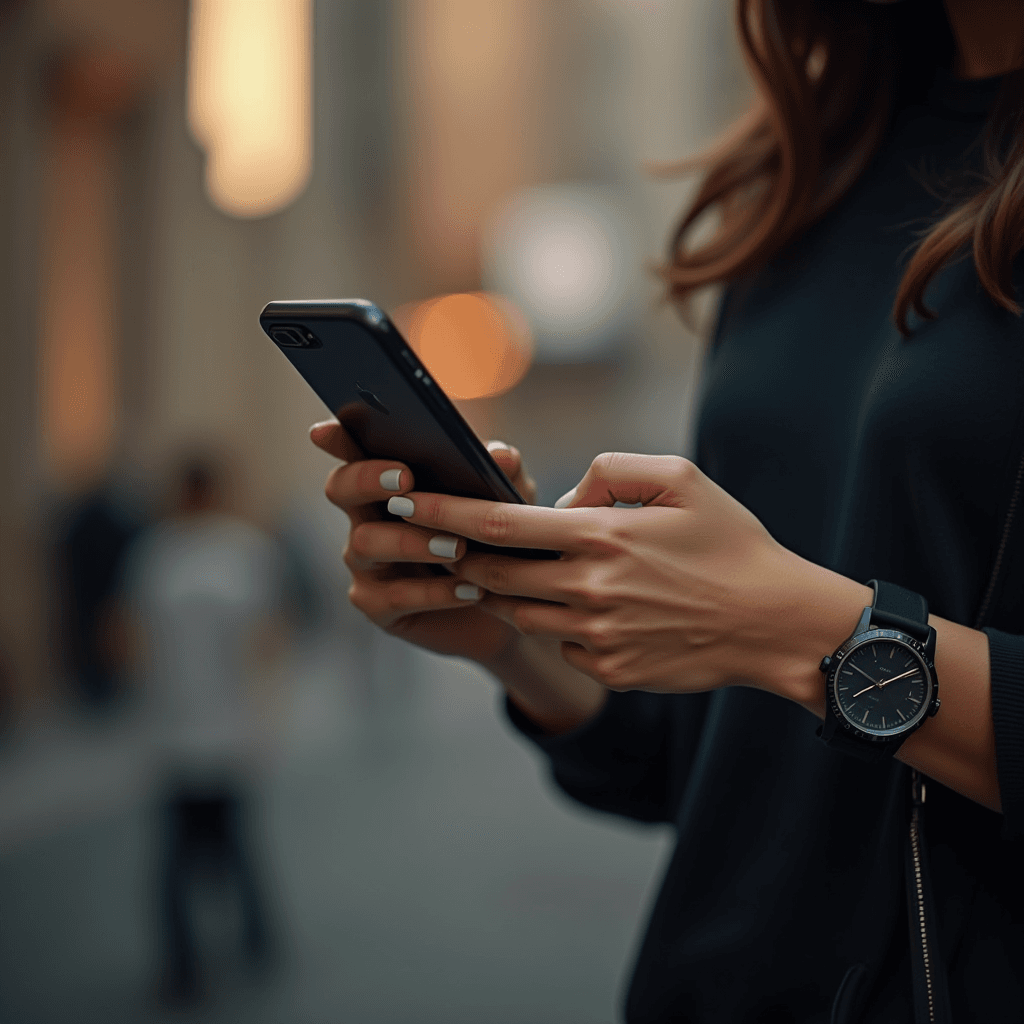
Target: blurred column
[21,599]
[474,82]
[46,201]
[91,91]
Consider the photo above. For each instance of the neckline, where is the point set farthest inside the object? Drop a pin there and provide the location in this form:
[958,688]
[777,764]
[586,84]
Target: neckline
[972,96]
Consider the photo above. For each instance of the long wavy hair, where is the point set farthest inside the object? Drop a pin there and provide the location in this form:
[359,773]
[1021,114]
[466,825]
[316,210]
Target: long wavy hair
[827,74]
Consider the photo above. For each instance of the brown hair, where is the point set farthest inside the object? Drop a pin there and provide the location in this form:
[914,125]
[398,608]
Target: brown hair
[826,73]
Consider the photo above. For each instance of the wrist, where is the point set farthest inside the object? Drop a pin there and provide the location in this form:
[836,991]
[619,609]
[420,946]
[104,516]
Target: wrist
[823,611]
[544,686]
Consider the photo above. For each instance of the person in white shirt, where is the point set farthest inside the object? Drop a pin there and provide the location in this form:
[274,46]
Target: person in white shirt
[200,589]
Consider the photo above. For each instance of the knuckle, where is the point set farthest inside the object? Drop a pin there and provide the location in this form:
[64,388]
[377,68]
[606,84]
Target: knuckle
[496,578]
[333,487]
[400,596]
[497,526]
[684,470]
[410,543]
[588,591]
[367,477]
[610,462]
[350,558]
[359,542]
[430,511]
[523,620]
[360,598]
[612,673]
[600,634]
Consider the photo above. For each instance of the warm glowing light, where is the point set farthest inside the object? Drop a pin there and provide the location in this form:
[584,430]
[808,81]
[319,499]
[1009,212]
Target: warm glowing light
[474,345]
[250,100]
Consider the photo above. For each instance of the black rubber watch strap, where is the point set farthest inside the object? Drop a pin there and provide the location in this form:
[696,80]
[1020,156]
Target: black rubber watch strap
[896,608]
[863,749]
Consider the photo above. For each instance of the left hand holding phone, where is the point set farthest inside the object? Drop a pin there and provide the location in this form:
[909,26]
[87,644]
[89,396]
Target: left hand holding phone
[395,582]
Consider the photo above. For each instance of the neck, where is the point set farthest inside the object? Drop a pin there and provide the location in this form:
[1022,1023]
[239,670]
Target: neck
[989,36]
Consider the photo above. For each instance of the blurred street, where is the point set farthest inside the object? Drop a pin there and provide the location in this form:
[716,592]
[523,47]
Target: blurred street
[427,870]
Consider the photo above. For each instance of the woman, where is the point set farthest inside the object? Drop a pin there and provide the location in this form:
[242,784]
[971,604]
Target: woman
[861,420]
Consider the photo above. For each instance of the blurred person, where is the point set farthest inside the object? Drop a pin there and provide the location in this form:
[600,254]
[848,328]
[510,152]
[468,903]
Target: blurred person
[861,420]
[98,533]
[202,596]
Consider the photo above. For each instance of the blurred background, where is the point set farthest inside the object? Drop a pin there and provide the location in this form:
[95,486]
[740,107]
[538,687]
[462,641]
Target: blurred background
[223,797]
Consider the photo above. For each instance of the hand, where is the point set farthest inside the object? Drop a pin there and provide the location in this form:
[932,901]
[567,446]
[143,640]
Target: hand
[689,592]
[396,581]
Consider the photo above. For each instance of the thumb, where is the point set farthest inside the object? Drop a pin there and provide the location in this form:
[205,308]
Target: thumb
[507,457]
[634,479]
[333,438]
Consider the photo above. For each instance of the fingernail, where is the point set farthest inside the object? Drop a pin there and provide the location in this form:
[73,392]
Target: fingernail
[467,592]
[323,423]
[391,479]
[401,507]
[497,446]
[442,546]
[566,498]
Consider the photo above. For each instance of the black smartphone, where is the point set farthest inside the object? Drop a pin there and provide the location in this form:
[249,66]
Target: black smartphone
[354,358]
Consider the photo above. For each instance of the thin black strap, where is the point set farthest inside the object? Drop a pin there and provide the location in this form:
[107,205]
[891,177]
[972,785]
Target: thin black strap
[898,608]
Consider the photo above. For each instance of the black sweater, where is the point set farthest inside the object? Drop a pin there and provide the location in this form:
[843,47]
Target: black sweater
[876,457]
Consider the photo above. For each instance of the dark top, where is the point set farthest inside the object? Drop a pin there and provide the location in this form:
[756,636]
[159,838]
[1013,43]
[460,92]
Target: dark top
[877,457]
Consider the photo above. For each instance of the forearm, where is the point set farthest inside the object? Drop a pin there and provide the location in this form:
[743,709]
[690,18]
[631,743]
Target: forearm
[957,746]
[546,689]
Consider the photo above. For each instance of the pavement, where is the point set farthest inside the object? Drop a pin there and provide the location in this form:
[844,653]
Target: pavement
[419,864]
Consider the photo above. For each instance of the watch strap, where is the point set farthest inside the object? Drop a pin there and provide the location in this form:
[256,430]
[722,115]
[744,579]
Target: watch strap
[897,608]
[831,731]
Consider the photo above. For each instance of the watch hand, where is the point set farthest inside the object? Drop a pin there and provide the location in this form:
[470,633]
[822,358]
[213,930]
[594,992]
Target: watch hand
[864,674]
[865,690]
[903,675]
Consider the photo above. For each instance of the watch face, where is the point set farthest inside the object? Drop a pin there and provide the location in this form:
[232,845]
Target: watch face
[882,686]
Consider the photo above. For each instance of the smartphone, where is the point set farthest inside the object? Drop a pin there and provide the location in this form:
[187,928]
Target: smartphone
[354,358]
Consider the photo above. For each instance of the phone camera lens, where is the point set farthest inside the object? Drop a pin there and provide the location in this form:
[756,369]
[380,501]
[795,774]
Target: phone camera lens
[294,337]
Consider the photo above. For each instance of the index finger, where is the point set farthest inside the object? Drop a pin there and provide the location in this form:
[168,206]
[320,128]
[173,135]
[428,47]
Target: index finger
[497,522]
[333,438]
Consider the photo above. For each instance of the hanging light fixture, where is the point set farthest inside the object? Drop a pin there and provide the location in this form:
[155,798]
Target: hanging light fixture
[250,100]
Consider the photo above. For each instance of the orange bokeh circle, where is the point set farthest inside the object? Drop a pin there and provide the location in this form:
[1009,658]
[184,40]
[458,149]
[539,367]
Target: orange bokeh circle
[475,345]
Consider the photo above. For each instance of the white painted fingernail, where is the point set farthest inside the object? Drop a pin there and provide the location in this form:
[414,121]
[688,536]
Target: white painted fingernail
[497,446]
[442,546]
[467,592]
[390,479]
[564,500]
[401,507]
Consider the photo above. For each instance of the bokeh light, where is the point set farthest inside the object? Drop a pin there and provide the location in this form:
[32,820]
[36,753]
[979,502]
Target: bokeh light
[564,254]
[475,345]
[250,100]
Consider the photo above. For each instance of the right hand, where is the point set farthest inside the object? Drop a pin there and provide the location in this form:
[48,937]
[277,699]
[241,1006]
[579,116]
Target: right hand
[396,582]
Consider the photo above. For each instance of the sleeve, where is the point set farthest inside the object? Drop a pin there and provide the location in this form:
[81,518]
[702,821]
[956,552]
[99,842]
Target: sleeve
[1006,658]
[632,759]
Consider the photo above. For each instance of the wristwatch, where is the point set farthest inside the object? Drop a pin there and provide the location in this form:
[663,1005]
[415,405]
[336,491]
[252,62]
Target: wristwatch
[880,685]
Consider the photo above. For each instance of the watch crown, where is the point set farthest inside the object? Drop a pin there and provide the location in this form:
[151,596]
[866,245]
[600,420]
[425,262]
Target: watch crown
[826,663]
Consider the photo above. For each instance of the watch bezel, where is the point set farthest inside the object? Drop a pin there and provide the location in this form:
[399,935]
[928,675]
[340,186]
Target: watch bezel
[859,640]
